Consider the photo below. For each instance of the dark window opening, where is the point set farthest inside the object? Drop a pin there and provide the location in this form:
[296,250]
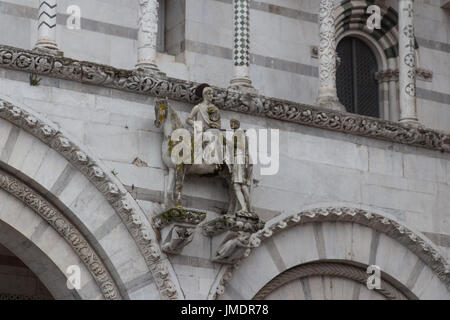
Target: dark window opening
[357,87]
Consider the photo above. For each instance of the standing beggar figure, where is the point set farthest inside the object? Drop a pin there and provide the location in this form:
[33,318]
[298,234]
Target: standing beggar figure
[241,169]
[206,111]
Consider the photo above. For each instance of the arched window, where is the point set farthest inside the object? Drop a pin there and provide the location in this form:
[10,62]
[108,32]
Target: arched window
[357,86]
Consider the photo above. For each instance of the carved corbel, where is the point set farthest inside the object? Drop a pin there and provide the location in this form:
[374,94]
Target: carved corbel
[178,237]
[235,246]
[177,228]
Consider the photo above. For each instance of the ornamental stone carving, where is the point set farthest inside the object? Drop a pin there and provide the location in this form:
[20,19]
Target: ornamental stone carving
[327,95]
[177,227]
[339,270]
[114,192]
[407,63]
[258,105]
[147,35]
[414,242]
[178,237]
[236,246]
[66,230]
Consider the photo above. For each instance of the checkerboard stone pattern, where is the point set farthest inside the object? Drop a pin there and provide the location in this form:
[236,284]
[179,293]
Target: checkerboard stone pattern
[241,50]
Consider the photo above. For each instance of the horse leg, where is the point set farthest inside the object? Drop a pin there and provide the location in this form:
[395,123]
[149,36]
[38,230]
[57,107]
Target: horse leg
[168,193]
[180,173]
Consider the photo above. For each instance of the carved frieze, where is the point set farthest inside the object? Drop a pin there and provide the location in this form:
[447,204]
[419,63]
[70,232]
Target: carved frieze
[258,105]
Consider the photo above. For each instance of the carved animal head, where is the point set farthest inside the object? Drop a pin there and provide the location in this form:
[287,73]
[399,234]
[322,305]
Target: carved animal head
[161,110]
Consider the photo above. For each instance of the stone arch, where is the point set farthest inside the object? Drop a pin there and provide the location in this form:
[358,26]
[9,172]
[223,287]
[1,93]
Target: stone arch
[356,237]
[41,156]
[333,269]
[351,15]
[351,21]
[42,256]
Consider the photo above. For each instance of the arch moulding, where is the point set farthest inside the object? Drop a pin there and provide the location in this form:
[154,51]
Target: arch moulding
[304,232]
[110,189]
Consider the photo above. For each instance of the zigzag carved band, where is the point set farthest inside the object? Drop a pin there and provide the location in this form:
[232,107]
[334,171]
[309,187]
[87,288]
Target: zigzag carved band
[50,6]
[44,12]
[50,26]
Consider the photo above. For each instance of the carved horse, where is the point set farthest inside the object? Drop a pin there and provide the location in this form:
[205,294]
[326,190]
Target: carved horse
[168,118]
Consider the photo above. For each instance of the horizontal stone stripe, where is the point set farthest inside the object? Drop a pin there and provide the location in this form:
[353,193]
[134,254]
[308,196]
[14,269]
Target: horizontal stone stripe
[131,33]
[281,11]
[192,261]
[442,240]
[86,24]
[256,59]
[433,96]
[258,105]
[434,45]
[139,282]
[423,94]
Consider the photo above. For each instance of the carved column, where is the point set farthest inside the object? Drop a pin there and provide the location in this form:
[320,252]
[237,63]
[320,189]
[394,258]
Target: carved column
[47,27]
[327,95]
[407,63]
[389,79]
[147,35]
[241,47]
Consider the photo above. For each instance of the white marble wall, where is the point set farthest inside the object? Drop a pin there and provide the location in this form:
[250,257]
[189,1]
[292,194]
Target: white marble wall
[317,167]
[280,42]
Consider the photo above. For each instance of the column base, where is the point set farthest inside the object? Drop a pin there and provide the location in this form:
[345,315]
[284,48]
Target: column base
[52,51]
[243,85]
[331,103]
[410,123]
[149,69]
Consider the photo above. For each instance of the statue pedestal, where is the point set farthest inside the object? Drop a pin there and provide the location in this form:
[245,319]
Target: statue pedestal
[177,227]
[232,236]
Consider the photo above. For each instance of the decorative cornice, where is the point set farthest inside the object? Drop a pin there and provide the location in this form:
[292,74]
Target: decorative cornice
[114,192]
[66,230]
[258,105]
[411,240]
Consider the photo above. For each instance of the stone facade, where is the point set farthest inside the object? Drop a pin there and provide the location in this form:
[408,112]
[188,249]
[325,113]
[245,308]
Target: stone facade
[82,177]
